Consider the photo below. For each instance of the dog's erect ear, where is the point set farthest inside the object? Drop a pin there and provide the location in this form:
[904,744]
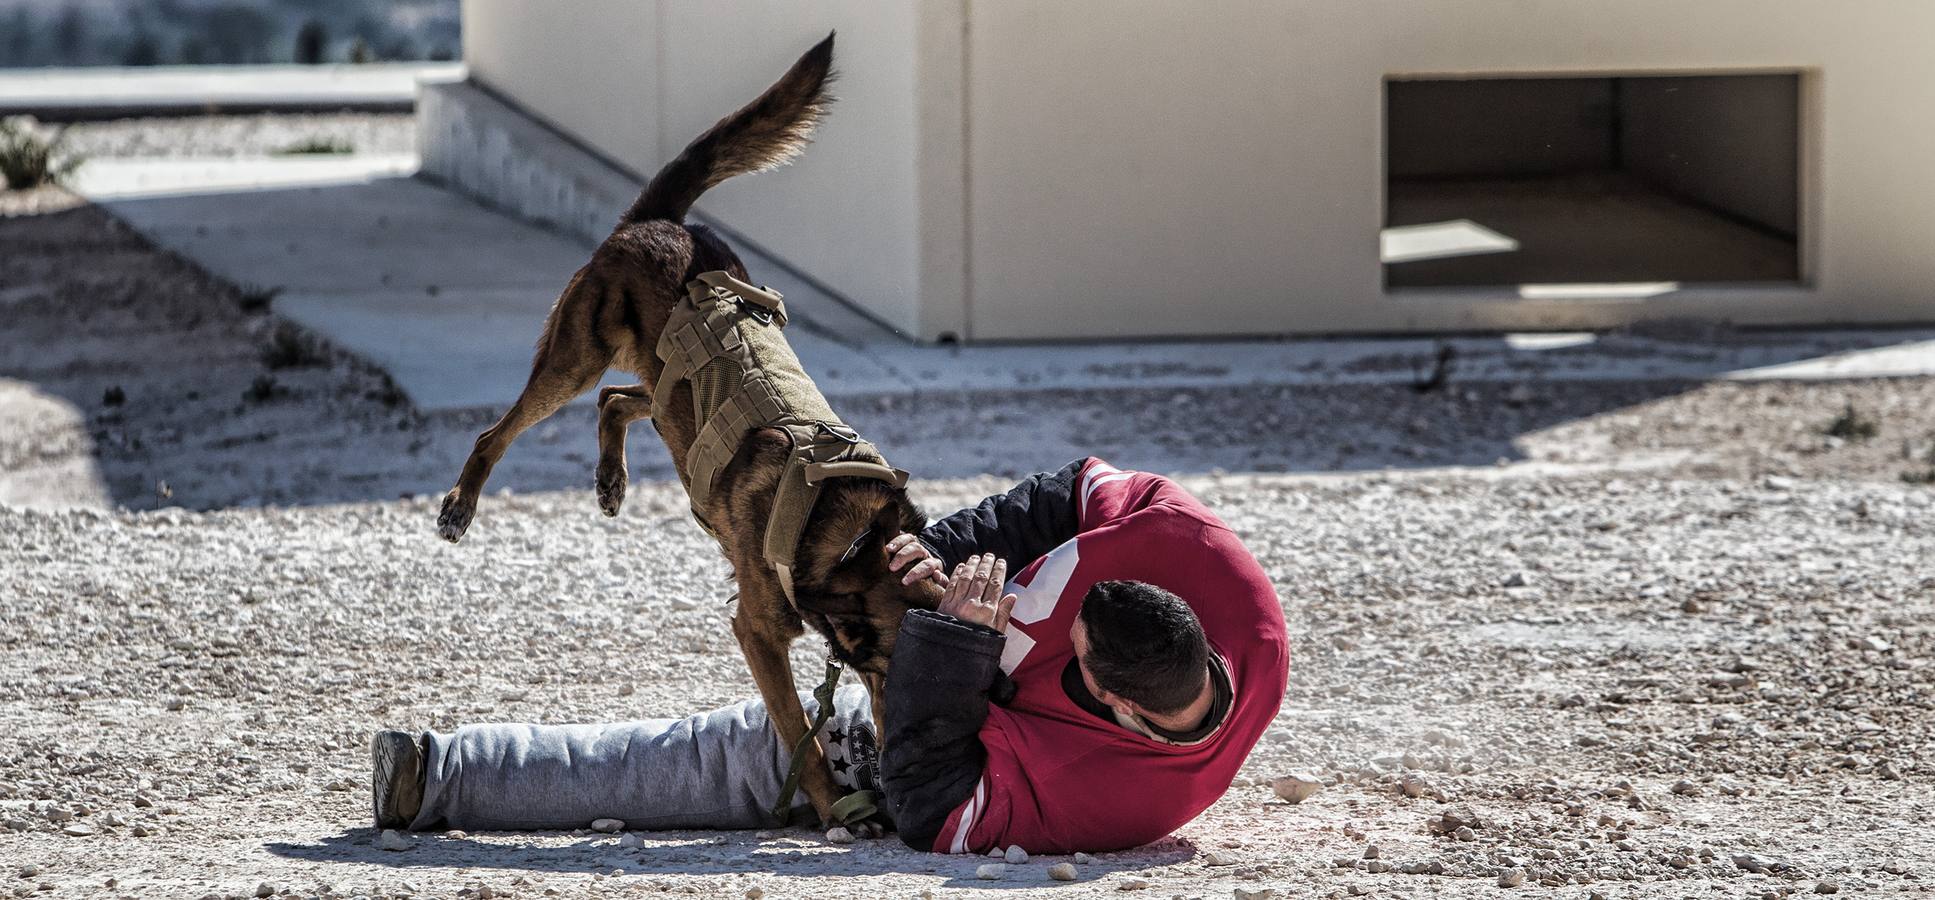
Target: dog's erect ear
[854,548]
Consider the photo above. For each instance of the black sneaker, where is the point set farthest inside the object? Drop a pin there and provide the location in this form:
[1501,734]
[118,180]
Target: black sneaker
[396,778]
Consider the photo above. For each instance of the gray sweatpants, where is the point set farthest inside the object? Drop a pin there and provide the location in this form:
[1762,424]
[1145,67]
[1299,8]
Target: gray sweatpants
[720,769]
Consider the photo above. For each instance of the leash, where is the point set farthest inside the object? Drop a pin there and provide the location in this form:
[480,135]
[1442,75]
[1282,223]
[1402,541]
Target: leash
[851,808]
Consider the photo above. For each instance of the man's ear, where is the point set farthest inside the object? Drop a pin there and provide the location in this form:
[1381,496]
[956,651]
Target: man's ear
[1118,703]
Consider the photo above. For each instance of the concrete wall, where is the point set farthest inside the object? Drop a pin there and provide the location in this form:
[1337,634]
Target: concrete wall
[1103,168]
[638,80]
[1721,142]
[1499,127]
[589,69]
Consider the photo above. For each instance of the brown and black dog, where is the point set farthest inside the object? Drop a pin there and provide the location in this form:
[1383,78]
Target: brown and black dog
[611,314]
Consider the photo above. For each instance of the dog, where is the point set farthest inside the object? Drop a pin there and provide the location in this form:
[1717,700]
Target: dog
[613,313]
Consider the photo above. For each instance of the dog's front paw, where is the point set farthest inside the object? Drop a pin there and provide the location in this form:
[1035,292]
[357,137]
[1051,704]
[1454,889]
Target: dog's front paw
[454,519]
[611,488]
[868,829]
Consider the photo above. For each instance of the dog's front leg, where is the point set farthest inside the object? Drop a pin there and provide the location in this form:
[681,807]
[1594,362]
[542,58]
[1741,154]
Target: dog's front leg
[765,650]
[618,408]
[568,362]
[877,692]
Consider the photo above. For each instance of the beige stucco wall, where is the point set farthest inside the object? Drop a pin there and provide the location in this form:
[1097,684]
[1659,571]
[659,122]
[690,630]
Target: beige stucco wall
[1102,168]
[589,67]
[637,79]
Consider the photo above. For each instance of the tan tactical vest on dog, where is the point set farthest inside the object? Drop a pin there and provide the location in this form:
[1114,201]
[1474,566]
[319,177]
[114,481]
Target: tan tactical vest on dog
[724,340]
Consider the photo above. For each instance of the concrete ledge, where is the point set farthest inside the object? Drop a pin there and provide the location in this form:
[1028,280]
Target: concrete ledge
[482,147]
[106,93]
[485,148]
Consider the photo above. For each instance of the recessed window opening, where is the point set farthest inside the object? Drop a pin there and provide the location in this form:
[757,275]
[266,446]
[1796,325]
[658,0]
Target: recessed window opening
[1543,183]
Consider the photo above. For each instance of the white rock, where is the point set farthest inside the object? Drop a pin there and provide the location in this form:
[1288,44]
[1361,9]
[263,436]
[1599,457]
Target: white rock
[755,892]
[1511,878]
[1015,855]
[839,834]
[1132,884]
[1255,893]
[392,841]
[631,840]
[30,870]
[1296,788]
[1062,872]
[1759,865]
[997,853]
[265,889]
[1216,858]
[1413,785]
[1871,643]
[78,829]
[990,871]
[608,826]
[1083,859]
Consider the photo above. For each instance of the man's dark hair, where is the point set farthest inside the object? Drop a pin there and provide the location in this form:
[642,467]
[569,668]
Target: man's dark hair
[1145,645]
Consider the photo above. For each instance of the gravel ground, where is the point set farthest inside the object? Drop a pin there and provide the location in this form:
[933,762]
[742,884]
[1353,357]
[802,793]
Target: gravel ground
[1642,639]
[257,135]
[1660,689]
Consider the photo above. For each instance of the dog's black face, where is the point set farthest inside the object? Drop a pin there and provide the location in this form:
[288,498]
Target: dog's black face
[845,589]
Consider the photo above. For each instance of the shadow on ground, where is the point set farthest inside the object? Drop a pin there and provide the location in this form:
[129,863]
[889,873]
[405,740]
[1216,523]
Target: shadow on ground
[702,854]
[138,379]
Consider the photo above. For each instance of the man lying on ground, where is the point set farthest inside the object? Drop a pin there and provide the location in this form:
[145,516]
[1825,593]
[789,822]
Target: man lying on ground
[1102,698]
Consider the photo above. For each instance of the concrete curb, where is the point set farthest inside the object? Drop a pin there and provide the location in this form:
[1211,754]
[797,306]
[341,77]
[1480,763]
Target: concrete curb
[60,95]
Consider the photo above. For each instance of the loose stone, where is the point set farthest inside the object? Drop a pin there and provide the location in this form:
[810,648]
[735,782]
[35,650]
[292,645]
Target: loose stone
[1296,788]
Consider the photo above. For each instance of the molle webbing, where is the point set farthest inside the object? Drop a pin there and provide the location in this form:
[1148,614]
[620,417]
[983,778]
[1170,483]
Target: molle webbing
[724,340]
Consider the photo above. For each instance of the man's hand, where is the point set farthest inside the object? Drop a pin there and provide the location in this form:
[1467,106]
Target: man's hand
[974,593]
[905,550]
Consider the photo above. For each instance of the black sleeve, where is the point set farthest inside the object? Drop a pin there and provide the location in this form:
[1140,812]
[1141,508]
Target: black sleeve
[937,701]
[1020,526]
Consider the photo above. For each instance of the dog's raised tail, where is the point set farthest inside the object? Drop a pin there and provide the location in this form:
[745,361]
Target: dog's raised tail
[764,134]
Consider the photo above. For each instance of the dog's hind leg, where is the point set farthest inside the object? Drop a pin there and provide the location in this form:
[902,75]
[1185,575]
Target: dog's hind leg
[571,356]
[772,671]
[618,408]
